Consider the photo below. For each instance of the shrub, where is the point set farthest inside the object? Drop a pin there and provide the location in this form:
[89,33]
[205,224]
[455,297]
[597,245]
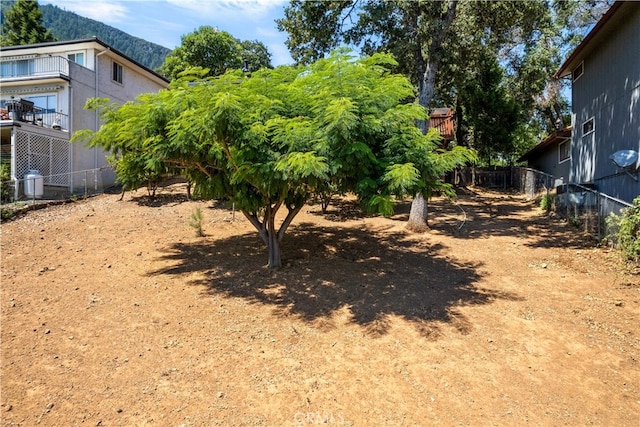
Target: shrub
[5,182]
[546,203]
[624,230]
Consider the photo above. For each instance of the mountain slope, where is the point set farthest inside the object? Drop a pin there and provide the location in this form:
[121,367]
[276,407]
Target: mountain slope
[67,25]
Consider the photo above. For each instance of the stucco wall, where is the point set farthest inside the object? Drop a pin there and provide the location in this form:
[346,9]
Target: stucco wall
[83,83]
[84,87]
[133,83]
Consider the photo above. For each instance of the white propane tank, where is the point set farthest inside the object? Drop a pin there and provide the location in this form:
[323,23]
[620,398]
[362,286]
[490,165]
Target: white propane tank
[33,184]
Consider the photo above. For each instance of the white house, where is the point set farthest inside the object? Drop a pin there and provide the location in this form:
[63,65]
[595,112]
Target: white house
[43,91]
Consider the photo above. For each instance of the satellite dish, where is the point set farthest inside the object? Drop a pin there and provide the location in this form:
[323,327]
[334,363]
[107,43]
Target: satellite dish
[624,158]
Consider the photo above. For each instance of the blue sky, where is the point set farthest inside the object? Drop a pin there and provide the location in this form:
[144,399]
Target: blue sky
[165,21]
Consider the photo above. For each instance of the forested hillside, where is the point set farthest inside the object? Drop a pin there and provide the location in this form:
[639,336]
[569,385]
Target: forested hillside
[67,25]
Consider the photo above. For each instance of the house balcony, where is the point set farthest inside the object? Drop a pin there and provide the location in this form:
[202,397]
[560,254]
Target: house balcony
[23,111]
[43,67]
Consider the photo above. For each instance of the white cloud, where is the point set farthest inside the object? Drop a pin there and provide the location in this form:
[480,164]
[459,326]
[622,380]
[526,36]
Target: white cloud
[109,12]
[249,8]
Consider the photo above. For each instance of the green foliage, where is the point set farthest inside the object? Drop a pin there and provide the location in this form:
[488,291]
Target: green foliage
[217,52]
[195,222]
[134,170]
[314,27]
[493,60]
[624,231]
[490,110]
[546,202]
[22,24]
[282,136]
[5,183]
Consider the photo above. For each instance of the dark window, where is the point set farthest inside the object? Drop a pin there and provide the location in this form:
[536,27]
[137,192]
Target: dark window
[577,72]
[588,127]
[78,57]
[117,72]
[564,151]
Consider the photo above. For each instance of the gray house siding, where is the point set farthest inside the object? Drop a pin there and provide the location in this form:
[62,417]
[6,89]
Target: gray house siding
[548,161]
[552,155]
[609,93]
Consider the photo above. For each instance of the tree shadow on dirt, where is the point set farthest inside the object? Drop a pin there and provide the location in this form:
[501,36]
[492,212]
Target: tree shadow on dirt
[373,274]
[493,214]
[160,200]
[170,192]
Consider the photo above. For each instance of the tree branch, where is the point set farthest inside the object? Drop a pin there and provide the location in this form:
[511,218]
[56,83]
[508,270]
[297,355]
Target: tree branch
[348,15]
[287,221]
[259,226]
[202,169]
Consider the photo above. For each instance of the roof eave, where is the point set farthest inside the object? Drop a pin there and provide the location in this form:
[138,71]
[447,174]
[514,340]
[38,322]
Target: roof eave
[88,40]
[576,56]
[557,136]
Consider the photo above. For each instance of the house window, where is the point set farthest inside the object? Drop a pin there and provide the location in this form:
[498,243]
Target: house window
[77,57]
[19,68]
[577,72]
[564,151]
[46,103]
[588,127]
[117,72]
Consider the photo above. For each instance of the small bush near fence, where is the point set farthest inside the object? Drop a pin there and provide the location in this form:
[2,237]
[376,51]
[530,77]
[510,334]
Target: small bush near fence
[624,231]
[5,183]
[546,202]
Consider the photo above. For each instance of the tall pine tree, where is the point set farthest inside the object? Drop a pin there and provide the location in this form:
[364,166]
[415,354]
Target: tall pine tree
[22,24]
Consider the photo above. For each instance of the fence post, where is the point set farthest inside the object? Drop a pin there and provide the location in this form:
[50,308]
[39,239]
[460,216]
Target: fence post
[598,219]
[85,183]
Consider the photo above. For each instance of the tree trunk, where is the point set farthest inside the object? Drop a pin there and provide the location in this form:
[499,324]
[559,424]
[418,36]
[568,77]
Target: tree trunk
[273,243]
[418,215]
[419,208]
[271,236]
[427,89]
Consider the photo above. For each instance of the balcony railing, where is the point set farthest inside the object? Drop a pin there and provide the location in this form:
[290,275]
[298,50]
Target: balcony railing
[57,121]
[44,66]
[36,116]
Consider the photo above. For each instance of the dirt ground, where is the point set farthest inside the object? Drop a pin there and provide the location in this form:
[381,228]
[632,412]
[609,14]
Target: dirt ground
[115,314]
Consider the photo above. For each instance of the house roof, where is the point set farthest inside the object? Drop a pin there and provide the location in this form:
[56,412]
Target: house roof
[604,25]
[80,41]
[441,112]
[555,138]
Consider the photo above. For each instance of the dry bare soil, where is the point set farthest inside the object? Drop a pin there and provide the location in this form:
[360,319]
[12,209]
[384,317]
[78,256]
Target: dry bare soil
[115,314]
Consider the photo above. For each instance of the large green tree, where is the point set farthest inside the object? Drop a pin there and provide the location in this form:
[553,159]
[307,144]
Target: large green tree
[275,139]
[217,51]
[491,112]
[22,24]
[437,44]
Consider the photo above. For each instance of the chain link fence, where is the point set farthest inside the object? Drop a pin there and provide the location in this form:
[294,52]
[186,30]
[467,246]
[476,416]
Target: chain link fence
[587,208]
[35,189]
[531,182]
